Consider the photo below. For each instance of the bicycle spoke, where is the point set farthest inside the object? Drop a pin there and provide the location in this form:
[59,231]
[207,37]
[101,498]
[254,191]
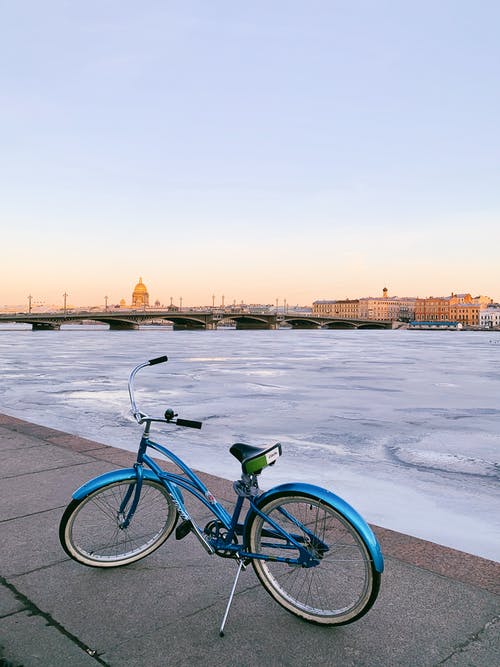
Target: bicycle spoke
[337,582]
[92,530]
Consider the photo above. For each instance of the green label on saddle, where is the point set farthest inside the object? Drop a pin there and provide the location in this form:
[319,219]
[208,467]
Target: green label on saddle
[263,460]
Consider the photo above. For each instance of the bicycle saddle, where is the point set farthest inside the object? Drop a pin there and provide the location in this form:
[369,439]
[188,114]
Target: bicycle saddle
[254,459]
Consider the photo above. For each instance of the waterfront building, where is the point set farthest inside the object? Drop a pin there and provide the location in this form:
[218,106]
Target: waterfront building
[461,308]
[437,308]
[347,309]
[466,313]
[342,309]
[407,309]
[323,307]
[379,308]
[140,295]
[489,318]
[386,307]
[433,309]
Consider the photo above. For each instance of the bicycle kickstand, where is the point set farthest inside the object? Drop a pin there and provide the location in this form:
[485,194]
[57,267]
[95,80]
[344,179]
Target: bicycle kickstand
[241,566]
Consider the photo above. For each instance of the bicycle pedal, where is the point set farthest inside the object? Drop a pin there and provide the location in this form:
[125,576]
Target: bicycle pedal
[183,529]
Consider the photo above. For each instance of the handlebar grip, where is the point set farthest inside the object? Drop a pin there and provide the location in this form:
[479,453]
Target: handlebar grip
[158,360]
[189,423]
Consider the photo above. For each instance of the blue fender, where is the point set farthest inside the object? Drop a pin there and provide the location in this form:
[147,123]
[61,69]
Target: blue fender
[109,478]
[337,503]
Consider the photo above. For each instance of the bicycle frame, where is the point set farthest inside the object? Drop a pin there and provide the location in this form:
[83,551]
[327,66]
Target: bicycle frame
[190,482]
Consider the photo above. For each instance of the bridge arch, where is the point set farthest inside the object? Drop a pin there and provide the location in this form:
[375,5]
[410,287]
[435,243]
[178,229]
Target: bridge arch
[250,321]
[300,323]
[373,325]
[340,324]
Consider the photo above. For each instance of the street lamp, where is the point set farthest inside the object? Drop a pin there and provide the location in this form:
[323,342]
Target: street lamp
[106,303]
[65,295]
[29,303]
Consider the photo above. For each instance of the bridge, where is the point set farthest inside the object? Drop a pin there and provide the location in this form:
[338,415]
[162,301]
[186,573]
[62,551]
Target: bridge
[188,319]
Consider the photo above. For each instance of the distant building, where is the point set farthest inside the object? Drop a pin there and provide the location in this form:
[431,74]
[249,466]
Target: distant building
[380,308]
[407,309]
[140,295]
[388,308]
[433,309]
[346,309]
[489,318]
[466,313]
[461,308]
[483,300]
[323,307]
[452,326]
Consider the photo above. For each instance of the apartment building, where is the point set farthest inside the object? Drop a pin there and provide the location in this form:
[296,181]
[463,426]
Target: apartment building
[433,309]
[467,314]
[489,318]
[348,309]
[323,307]
[383,308]
[461,308]
[342,309]
[386,308]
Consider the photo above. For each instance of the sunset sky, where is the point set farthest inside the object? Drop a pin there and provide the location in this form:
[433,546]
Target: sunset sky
[275,149]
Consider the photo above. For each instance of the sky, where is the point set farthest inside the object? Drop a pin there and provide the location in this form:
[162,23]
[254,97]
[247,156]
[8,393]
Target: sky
[266,150]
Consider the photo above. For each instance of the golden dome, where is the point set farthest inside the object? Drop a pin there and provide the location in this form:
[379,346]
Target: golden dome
[140,287]
[140,296]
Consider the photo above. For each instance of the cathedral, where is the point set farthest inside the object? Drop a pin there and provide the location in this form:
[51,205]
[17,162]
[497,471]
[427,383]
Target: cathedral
[140,295]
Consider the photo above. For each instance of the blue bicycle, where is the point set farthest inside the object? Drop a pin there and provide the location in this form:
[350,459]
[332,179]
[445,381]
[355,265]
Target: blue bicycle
[311,550]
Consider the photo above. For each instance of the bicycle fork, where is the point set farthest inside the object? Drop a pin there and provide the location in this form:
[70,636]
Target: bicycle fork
[125,519]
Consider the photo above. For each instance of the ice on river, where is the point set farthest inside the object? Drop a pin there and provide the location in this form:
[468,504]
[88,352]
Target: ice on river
[403,424]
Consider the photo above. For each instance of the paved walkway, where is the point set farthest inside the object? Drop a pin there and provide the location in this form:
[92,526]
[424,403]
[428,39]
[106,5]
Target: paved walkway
[437,606]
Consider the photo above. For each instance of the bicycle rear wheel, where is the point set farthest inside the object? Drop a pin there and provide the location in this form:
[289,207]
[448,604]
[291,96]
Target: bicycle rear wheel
[338,590]
[90,530]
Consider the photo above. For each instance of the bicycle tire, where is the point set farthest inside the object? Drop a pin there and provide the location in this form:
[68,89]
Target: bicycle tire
[341,588]
[89,530]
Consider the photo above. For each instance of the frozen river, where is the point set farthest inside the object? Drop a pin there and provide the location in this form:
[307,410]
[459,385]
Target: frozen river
[402,424]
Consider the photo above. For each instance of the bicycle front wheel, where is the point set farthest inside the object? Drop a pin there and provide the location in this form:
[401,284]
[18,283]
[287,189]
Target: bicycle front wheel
[341,587]
[91,529]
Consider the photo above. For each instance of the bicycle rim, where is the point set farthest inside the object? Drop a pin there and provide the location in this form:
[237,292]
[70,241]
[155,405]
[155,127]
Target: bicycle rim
[341,587]
[90,530]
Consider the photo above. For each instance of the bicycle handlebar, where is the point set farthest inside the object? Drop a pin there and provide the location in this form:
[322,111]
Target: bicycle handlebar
[142,417]
[188,422]
[158,360]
